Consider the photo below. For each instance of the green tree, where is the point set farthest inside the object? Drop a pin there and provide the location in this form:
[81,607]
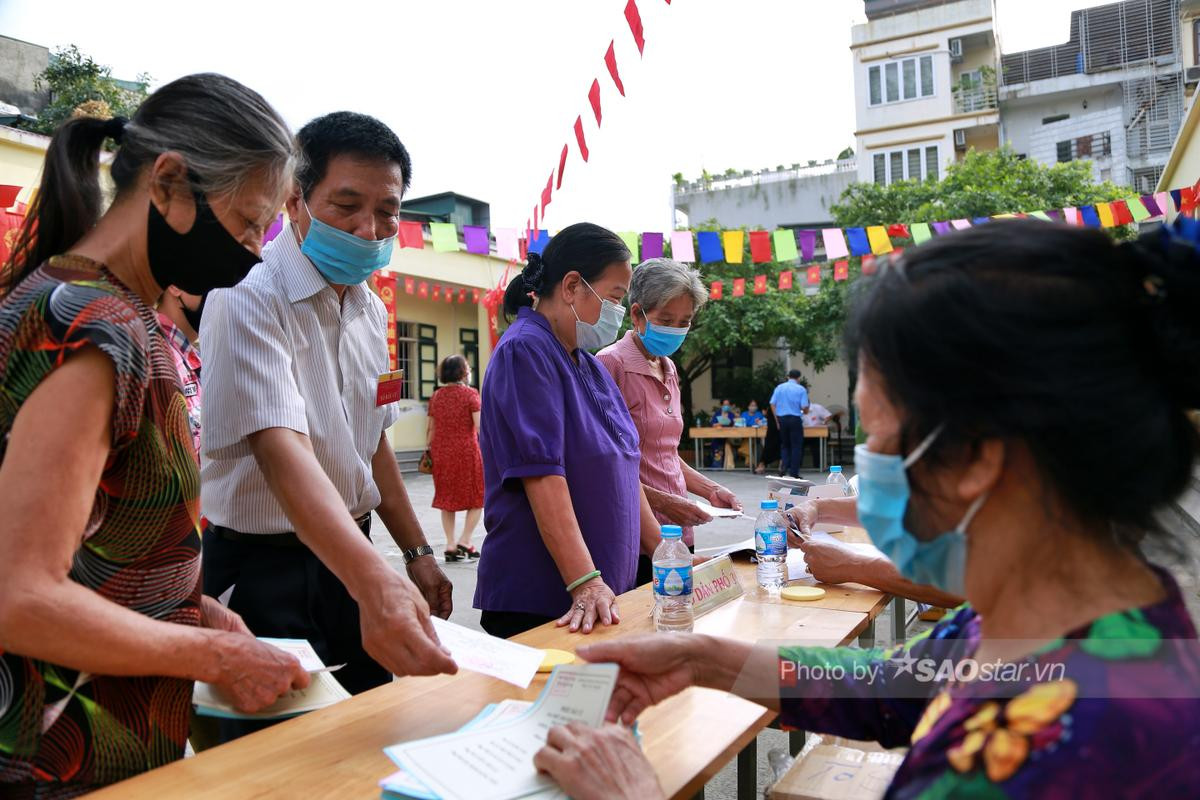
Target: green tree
[847,153]
[79,86]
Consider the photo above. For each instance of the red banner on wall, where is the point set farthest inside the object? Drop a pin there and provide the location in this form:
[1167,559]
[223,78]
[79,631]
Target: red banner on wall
[387,293]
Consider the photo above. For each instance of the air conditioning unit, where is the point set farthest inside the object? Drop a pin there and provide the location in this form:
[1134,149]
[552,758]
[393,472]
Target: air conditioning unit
[1191,76]
[956,49]
[960,139]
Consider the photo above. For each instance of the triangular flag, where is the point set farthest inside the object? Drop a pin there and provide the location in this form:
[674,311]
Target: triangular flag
[423,290]
[733,242]
[920,233]
[760,246]
[583,151]
[1137,207]
[409,285]
[739,287]
[630,238]
[411,235]
[814,274]
[716,291]
[807,240]
[562,163]
[546,194]
[1121,213]
[610,60]
[841,270]
[635,24]
[785,244]
[785,279]
[682,247]
[868,265]
[760,284]
[1107,219]
[1150,204]
[835,243]
[1042,215]
[594,99]
[476,238]
[859,244]
[898,229]
[1089,216]
[710,246]
[506,243]
[445,237]
[877,235]
[652,245]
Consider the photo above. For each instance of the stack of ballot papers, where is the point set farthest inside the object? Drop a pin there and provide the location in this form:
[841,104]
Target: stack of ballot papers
[491,757]
[797,568]
[323,689]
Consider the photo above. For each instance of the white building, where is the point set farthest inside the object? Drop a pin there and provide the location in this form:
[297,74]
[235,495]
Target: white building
[924,84]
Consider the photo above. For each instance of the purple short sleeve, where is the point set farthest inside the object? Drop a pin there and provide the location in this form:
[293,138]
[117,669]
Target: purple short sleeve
[522,432]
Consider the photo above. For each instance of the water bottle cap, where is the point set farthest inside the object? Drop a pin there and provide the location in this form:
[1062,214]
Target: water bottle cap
[835,468]
[769,504]
[672,532]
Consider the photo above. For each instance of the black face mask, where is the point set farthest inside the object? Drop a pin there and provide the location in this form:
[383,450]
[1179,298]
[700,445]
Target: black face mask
[193,317]
[206,257]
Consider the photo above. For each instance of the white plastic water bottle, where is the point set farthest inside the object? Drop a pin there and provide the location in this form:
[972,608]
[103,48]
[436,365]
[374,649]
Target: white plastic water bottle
[770,546]
[837,478]
[672,582]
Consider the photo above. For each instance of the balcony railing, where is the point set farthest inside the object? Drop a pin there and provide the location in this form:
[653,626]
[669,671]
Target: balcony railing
[974,98]
[751,178]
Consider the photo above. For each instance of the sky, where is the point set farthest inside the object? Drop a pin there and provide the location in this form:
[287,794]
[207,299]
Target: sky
[484,93]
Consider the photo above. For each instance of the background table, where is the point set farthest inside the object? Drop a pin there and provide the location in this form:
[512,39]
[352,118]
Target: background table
[751,435]
[338,752]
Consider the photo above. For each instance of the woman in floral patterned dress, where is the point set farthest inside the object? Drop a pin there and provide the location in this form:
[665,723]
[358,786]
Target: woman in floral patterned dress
[993,367]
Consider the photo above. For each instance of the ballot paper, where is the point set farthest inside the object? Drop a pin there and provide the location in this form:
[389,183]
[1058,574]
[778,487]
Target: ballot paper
[495,761]
[323,689]
[479,652]
[718,513]
[301,649]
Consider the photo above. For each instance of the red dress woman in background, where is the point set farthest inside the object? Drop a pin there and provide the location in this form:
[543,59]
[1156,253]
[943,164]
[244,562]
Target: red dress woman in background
[453,439]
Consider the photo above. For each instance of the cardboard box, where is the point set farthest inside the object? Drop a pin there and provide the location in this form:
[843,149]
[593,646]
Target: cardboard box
[832,768]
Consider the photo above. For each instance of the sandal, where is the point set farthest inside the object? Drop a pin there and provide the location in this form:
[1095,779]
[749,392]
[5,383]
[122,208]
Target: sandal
[468,552]
[451,555]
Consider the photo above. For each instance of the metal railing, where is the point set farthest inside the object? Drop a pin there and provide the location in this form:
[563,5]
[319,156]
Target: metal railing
[719,182]
[974,98]
[1098,145]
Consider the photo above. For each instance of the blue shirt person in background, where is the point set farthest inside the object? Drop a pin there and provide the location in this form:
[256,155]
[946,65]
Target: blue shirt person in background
[753,417]
[789,402]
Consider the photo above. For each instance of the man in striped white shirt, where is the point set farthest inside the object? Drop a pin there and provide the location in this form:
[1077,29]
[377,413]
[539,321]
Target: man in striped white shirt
[295,455]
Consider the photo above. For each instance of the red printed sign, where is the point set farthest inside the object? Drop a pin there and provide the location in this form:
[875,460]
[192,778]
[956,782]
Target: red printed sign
[389,386]
[387,293]
[785,279]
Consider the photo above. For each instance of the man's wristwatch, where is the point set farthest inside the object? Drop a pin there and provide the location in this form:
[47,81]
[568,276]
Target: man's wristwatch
[413,553]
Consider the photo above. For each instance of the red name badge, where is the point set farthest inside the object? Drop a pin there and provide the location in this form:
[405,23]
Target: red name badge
[389,387]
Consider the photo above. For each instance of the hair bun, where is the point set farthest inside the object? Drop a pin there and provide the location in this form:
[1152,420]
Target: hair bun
[534,275]
[114,128]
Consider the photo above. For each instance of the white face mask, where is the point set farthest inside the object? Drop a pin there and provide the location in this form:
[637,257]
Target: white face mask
[602,332]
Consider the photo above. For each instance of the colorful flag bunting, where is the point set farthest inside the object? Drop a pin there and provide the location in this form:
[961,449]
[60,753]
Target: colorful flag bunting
[1137,208]
[1187,200]
[981,220]
[716,291]
[1071,216]
[1055,214]
[841,270]
[1150,204]
[835,243]
[710,246]
[682,247]
[437,292]
[814,274]
[739,286]
[635,24]
[506,243]
[920,233]
[583,151]
[868,265]
[541,238]
[8,195]
[562,165]
[760,284]
[476,238]
[423,290]
[808,240]
[462,296]
[411,235]
[898,229]
[760,246]
[1042,215]
[859,244]
[960,224]
[445,237]
[610,60]
[1177,199]
[1089,217]
[594,99]
[1163,201]
[785,244]
[733,242]
[877,236]
[652,245]
[785,279]
[630,238]
[449,294]
[475,296]
[409,285]
[1121,212]
[942,228]
[546,194]
[1104,211]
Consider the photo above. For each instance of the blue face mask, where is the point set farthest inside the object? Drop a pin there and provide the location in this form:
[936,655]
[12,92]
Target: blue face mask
[659,340]
[341,257]
[883,496]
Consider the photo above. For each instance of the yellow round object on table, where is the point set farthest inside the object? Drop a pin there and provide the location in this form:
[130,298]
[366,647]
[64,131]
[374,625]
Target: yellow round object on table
[802,593]
[554,658]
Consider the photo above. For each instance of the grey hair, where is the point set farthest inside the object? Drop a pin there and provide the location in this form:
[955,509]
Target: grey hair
[658,281]
[226,132]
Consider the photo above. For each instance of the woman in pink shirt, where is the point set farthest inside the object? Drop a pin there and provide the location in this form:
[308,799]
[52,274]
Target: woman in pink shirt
[663,299]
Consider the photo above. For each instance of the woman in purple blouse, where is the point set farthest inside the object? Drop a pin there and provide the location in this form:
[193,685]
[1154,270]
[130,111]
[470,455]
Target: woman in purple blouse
[563,506]
[994,364]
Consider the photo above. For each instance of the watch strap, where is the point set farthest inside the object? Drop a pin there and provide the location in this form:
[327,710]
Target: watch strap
[413,553]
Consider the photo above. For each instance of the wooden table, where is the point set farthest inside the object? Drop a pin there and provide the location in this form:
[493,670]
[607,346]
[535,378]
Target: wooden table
[338,752]
[751,435]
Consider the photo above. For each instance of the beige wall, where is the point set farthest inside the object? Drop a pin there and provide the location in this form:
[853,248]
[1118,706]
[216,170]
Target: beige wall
[21,157]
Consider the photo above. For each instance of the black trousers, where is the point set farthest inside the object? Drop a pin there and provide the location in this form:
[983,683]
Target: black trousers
[791,444]
[285,591]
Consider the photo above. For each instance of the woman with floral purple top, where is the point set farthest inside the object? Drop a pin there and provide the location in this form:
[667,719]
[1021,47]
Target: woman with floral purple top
[993,364]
